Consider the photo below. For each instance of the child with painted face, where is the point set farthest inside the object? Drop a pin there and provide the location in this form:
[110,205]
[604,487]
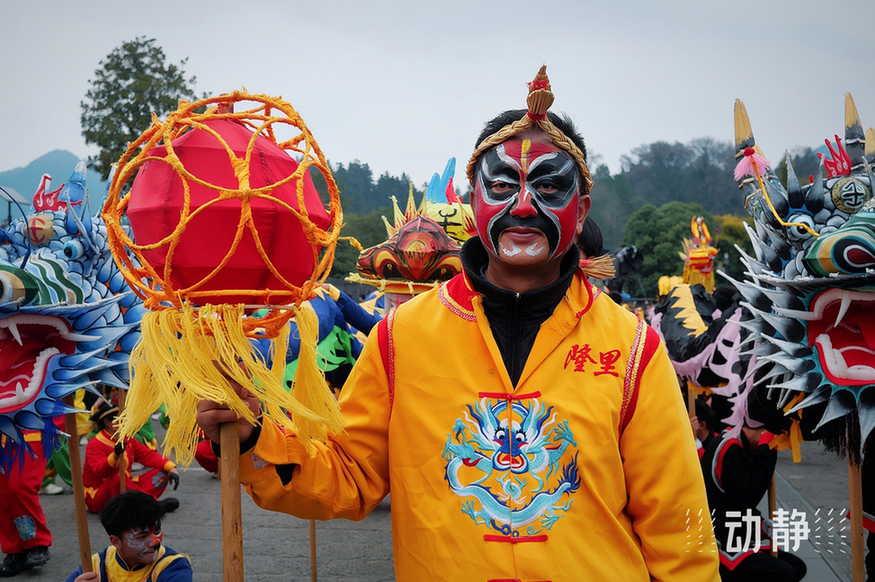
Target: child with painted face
[133,521]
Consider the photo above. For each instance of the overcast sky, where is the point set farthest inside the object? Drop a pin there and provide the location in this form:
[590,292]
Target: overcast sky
[405,85]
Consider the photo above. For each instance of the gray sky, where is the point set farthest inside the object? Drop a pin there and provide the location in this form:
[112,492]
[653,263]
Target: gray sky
[404,86]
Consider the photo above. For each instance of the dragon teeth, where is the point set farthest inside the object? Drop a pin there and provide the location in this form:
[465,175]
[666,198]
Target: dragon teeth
[13,329]
[846,302]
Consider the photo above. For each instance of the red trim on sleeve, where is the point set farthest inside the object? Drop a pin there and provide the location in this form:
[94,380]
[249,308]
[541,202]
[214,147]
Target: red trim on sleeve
[639,356]
[387,352]
[591,294]
[651,342]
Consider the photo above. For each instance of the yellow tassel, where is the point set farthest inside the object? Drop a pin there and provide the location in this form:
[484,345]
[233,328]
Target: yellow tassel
[793,438]
[309,386]
[795,441]
[600,267]
[176,362]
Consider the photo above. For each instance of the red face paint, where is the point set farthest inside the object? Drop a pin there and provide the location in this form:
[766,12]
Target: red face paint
[529,191]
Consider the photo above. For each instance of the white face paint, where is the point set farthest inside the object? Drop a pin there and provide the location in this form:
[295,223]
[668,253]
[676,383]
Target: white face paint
[535,249]
[139,546]
[509,252]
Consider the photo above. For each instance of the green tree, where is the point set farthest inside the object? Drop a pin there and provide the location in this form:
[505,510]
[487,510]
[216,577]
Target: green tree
[131,83]
[728,232]
[806,165]
[658,233]
[367,229]
[613,201]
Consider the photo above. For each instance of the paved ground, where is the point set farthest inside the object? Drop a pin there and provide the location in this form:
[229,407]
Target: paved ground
[276,547]
[818,485]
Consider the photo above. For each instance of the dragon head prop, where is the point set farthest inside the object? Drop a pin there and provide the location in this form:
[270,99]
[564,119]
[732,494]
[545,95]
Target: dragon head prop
[698,255]
[418,254]
[446,208]
[811,286]
[67,318]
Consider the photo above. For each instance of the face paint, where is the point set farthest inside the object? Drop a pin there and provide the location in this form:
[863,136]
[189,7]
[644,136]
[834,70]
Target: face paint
[534,250]
[140,546]
[530,187]
[509,252]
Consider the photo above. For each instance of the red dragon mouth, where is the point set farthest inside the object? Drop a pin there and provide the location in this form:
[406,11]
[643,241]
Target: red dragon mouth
[514,462]
[27,343]
[843,330]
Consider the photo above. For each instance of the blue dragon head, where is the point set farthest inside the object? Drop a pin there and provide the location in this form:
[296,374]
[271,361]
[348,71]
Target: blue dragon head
[810,290]
[67,318]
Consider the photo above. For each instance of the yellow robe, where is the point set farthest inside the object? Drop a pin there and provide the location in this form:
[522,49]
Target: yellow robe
[602,481]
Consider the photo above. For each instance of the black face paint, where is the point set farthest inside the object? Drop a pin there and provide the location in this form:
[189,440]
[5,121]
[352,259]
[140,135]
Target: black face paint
[513,176]
[540,222]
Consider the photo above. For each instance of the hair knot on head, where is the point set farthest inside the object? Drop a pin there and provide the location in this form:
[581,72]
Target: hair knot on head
[538,102]
[540,96]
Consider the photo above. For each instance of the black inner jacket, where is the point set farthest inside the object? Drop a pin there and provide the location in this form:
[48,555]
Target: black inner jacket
[515,318]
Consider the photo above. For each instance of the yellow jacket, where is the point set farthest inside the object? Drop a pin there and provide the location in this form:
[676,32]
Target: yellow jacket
[597,478]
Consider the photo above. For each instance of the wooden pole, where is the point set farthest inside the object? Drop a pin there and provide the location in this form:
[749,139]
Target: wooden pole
[691,398]
[858,548]
[232,510]
[773,506]
[78,488]
[122,394]
[313,550]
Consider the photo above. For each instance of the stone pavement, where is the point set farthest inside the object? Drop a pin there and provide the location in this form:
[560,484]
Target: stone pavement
[818,485]
[276,546]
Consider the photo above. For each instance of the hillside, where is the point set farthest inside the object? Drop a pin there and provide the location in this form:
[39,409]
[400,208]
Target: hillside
[59,165]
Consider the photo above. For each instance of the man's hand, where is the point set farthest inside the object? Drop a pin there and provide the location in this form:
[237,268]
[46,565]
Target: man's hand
[87,577]
[119,449]
[173,477]
[211,414]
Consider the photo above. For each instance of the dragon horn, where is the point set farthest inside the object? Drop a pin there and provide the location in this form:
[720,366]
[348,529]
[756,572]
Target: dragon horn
[855,138]
[743,133]
[870,145]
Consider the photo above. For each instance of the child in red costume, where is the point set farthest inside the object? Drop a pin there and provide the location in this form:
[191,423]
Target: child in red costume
[101,473]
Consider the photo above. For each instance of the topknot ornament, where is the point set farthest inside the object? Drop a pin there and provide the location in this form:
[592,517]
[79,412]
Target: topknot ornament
[538,101]
[540,95]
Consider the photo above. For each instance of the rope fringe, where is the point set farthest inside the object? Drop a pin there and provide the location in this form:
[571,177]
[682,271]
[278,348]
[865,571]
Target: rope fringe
[181,359]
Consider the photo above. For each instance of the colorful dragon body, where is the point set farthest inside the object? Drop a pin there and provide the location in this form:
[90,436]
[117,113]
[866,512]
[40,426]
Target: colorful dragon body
[67,319]
[811,287]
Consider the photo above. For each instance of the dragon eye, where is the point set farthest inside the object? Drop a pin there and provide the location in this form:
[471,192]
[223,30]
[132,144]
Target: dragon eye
[11,287]
[73,249]
[500,434]
[520,436]
[796,232]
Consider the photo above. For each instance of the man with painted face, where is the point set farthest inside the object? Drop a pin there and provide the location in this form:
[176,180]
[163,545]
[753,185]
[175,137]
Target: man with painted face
[133,521]
[528,428]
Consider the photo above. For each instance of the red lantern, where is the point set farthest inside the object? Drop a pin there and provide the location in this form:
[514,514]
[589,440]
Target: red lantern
[223,216]
[157,202]
[221,213]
